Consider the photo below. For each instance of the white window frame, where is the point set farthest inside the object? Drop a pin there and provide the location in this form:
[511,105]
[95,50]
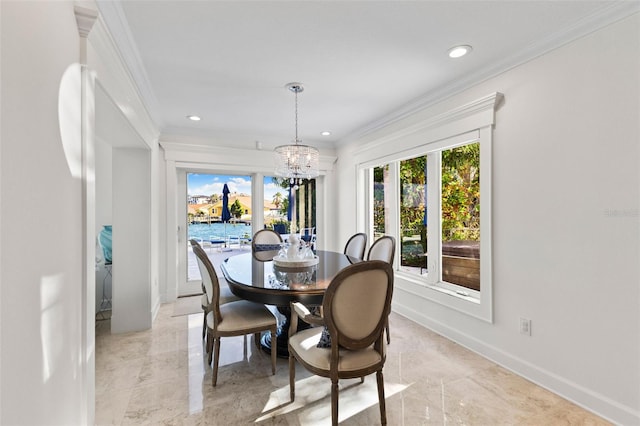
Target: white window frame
[469,123]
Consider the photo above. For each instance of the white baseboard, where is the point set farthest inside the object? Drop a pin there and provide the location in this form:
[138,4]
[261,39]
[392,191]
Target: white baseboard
[585,398]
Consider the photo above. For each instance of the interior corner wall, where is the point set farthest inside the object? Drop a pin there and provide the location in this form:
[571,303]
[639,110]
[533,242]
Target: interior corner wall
[123,122]
[566,228]
[156,221]
[162,226]
[43,372]
[132,305]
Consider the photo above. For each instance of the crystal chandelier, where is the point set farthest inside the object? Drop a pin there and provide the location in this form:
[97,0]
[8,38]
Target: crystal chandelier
[296,161]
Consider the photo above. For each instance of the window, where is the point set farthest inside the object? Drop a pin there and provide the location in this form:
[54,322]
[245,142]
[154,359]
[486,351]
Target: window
[380,177]
[458,260]
[429,191]
[290,205]
[205,222]
[439,235]
[413,215]
[460,216]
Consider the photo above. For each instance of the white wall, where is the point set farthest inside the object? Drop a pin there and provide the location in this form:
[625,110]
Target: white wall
[131,238]
[42,368]
[104,184]
[566,233]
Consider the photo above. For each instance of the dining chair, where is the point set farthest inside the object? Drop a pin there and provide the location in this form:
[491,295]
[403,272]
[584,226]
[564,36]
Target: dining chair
[357,343]
[265,244]
[226,295]
[280,228]
[384,248]
[356,245]
[265,237]
[237,318]
[308,235]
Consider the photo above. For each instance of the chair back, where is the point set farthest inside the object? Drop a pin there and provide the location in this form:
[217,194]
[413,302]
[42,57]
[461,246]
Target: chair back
[356,246]
[357,303]
[210,281]
[265,237]
[384,248]
[280,228]
[308,234]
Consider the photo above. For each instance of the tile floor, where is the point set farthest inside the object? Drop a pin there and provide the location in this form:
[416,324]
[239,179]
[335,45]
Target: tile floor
[160,376]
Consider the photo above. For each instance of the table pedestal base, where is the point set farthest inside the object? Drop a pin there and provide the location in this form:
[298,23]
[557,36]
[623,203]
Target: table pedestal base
[282,336]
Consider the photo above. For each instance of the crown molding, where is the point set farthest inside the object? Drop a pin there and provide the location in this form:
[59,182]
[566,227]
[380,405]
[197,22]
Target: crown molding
[232,158]
[481,112]
[85,18]
[607,14]
[119,30]
[116,82]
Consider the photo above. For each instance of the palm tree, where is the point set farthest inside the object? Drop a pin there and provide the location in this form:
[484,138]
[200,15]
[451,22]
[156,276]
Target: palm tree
[277,199]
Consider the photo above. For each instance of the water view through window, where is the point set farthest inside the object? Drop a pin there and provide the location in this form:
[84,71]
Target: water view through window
[286,205]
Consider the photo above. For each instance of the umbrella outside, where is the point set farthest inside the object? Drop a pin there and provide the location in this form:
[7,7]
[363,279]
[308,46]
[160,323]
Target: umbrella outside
[226,214]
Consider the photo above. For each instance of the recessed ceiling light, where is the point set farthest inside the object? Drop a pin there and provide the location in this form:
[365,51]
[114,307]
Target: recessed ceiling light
[459,51]
[193,118]
[326,133]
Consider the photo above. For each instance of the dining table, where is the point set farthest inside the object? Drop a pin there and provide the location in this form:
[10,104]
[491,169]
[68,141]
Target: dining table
[255,277]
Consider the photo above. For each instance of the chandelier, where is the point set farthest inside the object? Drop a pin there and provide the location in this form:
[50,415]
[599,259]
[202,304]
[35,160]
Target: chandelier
[296,161]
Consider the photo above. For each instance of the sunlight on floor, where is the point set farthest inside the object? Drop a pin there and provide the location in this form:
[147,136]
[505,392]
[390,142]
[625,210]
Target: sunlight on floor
[313,399]
[196,367]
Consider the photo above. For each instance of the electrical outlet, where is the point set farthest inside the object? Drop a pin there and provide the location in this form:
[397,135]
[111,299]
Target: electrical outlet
[525,326]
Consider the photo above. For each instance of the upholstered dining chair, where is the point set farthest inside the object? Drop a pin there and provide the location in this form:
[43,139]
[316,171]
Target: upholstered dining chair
[237,318]
[265,244]
[356,245]
[265,237]
[226,295]
[357,345]
[384,248]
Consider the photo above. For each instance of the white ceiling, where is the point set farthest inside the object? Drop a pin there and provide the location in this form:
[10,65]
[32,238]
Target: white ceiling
[362,63]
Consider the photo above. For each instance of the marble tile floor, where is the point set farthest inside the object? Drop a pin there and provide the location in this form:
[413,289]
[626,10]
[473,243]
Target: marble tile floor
[161,377]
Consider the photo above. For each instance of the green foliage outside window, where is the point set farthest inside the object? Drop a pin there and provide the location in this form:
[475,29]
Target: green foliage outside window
[460,205]
[461,193]
[281,200]
[236,209]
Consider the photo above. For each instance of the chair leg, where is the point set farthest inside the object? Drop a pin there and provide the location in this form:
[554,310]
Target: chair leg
[292,377]
[334,402]
[383,410]
[216,358]
[209,346]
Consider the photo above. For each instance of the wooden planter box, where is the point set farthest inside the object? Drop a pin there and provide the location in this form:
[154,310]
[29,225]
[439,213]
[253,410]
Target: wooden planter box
[464,271]
[461,263]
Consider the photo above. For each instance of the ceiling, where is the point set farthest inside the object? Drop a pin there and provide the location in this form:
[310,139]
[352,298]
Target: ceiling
[362,63]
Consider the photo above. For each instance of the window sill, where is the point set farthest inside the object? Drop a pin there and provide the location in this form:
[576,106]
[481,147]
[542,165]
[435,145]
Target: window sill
[469,303]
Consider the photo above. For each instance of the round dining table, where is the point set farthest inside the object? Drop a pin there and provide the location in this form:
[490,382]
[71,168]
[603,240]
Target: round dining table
[254,276]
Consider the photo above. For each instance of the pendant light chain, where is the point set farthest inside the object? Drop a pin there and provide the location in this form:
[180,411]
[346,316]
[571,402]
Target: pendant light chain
[296,90]
[296,161]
